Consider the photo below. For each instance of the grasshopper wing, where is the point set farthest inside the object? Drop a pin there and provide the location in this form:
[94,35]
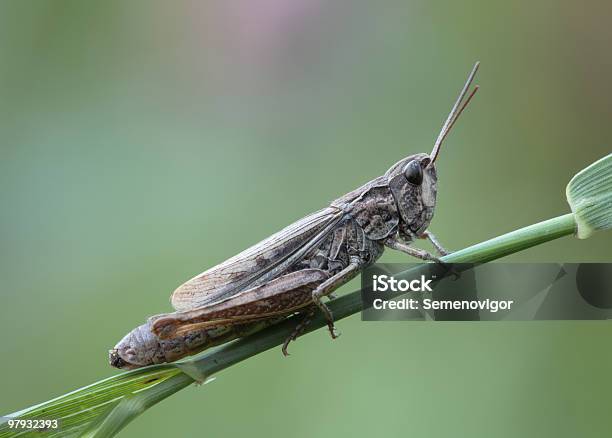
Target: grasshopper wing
[260,263]
[278,297]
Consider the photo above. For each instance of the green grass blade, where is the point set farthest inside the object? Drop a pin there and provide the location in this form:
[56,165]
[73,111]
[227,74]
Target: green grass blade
[77,410]
[589,195]
[132,405]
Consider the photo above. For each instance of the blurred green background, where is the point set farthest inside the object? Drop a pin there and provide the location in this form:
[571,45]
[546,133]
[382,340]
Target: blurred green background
[143,142]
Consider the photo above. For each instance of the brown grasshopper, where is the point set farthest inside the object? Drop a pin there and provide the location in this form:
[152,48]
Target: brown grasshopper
[290,272]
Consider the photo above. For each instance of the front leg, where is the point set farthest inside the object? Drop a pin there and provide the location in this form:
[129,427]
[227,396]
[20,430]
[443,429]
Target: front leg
[434,241]
[330,285]
[395,243]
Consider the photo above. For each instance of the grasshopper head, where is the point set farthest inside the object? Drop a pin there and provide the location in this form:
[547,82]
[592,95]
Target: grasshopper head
[413,180]
[137,349]
[413,183]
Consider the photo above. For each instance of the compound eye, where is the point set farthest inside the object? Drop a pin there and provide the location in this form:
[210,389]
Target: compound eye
[414,173]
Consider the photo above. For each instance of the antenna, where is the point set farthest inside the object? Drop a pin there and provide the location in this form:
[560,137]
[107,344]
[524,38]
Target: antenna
[455,112]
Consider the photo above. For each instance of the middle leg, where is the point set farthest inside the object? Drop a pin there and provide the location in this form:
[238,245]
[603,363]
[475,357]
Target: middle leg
[299,329]
[330,285]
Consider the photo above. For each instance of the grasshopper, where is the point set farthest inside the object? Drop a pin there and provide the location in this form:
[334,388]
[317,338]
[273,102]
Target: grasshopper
[290,272]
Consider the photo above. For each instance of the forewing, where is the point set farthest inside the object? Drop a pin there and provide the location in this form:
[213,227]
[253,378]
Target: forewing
[257,264]
[281,296]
